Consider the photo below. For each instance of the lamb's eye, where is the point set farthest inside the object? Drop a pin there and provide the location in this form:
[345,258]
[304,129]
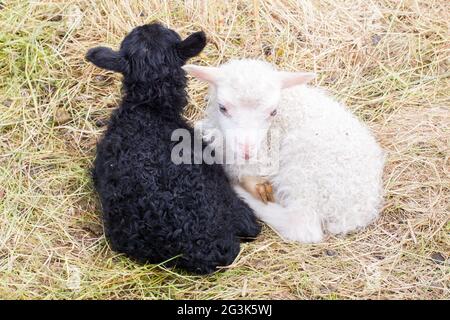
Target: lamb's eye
[223,109]
[273,113]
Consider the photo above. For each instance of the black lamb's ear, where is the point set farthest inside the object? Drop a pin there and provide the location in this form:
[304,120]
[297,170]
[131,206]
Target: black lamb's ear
[107,58]
[192,45]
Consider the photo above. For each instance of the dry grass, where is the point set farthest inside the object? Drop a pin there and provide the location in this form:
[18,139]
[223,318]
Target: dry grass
[388,60]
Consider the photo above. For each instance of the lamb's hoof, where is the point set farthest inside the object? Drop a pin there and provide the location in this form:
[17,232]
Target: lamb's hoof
[265,192]
[259,187]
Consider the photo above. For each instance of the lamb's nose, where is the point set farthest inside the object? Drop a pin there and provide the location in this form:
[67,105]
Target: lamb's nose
[245,149]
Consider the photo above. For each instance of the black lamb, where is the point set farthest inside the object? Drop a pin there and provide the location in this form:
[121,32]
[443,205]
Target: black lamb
[186,215]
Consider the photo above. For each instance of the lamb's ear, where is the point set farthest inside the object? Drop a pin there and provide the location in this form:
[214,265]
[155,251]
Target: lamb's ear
[209,74]
[290,79]
[107,58]
[192,45]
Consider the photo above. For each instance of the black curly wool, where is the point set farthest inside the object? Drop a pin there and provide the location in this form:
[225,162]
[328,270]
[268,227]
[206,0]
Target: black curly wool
[153,209]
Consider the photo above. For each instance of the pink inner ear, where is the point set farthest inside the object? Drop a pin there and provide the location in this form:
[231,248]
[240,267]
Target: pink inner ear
[208,74]
[290,79]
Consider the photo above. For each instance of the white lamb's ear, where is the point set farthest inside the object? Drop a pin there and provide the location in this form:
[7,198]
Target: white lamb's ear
[208,74]
[290,79]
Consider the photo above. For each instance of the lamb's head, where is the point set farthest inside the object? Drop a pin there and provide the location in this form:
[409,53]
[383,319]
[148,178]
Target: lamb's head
[243,100]
[148,52]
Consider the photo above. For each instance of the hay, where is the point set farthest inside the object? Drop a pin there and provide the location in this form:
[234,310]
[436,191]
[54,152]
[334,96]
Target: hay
[388,60]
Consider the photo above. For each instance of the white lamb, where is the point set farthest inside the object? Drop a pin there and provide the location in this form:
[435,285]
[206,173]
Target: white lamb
[330,166]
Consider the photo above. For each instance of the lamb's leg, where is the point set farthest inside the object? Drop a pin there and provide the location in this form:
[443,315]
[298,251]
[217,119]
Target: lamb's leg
[291,223]
[258,187]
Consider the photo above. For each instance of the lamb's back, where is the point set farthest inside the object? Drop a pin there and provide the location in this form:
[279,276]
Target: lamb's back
[164,207]
[311,117]
[327,155]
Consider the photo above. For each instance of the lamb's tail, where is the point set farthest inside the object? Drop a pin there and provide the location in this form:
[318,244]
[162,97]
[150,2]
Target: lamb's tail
[289,223]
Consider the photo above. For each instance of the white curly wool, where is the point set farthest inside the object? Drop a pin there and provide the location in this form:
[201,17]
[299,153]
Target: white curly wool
[330,170]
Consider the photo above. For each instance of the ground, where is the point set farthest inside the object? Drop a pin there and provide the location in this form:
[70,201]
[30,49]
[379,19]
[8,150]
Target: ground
[387,60]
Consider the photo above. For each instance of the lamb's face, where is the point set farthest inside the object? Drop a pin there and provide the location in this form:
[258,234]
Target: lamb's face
[244,98]
[244,102]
